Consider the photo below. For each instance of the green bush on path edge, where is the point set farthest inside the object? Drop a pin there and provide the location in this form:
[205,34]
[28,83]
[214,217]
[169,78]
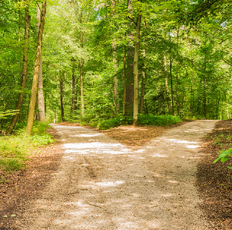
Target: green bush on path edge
[148,119]
[15,149]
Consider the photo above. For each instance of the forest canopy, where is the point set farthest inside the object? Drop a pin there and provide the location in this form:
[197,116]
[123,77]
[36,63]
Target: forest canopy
[91,61]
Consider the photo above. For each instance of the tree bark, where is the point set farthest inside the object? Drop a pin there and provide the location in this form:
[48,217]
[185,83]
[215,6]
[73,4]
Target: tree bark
[166,80]
[129,70]
[124,81]
[116,93]
[204,88]
[82,89]
[41,104]
[177,77]
[74,96]
[19,12]
[81,70]
[136,71]
[142,91]
[62,97]
[172,93]
[36,71]
[24,70]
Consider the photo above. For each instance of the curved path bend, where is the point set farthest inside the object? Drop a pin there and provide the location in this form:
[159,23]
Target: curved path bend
[101,184]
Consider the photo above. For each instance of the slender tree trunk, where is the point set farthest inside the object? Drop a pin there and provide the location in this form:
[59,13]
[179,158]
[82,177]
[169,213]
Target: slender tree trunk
[166,83]
[142,91]
[74,97]
[82,89]
[143,84]
[192,97]
[177,77]
[130,69]
[81,70]
[227,111]
[172,93]
[41,106]
[204,88]
[24,70]
[116,93]
[124,80]
[62,97]
[204,97]
[19,12]
[136,71]
[36,71]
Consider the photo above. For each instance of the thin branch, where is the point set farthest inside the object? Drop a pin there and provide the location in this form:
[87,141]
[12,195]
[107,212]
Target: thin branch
[132,20]
[227,62]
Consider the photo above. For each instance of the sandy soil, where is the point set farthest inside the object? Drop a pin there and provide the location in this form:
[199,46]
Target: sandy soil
[101,184]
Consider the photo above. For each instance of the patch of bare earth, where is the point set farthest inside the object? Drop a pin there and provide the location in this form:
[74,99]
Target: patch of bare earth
[24,185]
[214,181]
[135,137]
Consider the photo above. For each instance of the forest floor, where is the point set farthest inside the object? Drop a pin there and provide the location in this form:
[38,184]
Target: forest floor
[212,182]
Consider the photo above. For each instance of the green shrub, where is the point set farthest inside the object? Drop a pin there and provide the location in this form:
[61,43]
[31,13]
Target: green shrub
[165,120]
[147,119]
[43,139]
[224,155]
[14,149]
[107,124]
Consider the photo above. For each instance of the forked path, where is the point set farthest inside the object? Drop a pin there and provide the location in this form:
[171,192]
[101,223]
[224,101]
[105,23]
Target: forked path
[101,184]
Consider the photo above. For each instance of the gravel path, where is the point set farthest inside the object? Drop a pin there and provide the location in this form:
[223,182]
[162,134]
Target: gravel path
[101,184]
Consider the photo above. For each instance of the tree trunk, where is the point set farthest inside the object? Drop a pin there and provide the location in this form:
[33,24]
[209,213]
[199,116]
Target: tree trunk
[19,12]
[116,93]
[36,71]
[130,69]
[142,91]
[74,96]
[81,69]
[177,77]
[204,88]
[41,106]
[24,70]
[124,80]
[166,81]
[82,89]
[136,71]
[62,97]
[172,86]
[204,97]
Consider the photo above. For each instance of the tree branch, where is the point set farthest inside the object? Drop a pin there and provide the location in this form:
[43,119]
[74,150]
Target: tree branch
[227,62]
[132,20]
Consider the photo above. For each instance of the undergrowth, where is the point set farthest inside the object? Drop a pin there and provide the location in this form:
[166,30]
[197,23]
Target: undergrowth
[147,119]
[15,149]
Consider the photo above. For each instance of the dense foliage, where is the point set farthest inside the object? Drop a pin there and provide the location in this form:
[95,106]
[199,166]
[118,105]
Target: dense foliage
[88,57]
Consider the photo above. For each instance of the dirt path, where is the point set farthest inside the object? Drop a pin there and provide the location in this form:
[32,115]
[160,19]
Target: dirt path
[101,184]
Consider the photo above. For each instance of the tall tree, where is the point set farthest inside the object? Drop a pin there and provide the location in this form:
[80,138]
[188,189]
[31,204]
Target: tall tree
[136,65]
[41,105]
[36,71]
[24,70]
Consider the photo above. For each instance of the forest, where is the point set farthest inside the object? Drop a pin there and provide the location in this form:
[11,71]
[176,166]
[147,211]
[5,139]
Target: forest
[91,61]
[142,66]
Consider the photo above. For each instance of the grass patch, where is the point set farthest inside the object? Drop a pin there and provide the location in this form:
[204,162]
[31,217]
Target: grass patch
[15,149]
[147,119]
